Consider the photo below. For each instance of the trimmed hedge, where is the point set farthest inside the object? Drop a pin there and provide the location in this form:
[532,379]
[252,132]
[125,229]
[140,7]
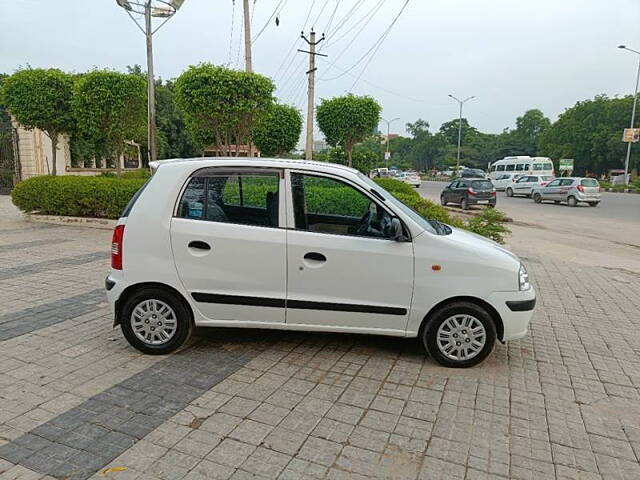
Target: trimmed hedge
[75,196]
[392,185]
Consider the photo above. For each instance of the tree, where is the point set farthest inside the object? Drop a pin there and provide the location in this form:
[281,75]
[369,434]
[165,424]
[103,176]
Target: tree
[174,141]
[278,132]
[450,131]
[40,98]
[110,107]
[529,129]
[220,105]
[591,132]
[347,120]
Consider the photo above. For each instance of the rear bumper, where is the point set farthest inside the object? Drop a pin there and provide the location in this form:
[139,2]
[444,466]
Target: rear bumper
[481,201]
[515,310]
[114,286]
[581,197]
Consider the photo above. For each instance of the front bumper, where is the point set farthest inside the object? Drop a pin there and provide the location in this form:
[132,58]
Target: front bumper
[516,310]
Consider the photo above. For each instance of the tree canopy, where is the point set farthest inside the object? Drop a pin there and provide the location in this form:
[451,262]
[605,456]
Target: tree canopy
[110,107]
[40,98]
[348,120]
[278,132]
[221,105]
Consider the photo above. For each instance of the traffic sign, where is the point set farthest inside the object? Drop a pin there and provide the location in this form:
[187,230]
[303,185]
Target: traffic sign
[387,155]
[566,164]
[631,135]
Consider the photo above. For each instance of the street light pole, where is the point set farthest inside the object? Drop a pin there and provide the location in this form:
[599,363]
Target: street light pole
[388,122]
[633,115]
[460,102]
[151,88]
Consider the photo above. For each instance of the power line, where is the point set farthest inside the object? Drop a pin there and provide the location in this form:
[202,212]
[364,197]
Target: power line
[291,50]
[347,16]
[375,46]
[233,12]
[380,44]
[320,14]
[333,14]
[279,7]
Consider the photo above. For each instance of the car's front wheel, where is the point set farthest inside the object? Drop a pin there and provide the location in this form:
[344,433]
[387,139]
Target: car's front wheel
[509,192]
[155,321]
[460,334]
[443,202]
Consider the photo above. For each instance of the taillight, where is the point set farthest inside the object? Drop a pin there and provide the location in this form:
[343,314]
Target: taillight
[471,191]
[116,247]
[543,184]
[580,188]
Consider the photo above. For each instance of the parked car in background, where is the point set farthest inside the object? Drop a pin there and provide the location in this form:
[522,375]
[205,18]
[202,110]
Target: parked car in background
[411,178]
[473,173]
[468,191]
[525,184]
[292,245]
[570,190]
[501,182]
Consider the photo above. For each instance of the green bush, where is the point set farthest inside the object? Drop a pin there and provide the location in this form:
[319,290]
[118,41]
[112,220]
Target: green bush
[74,196]
[394,186]
[429,210]
[489,223]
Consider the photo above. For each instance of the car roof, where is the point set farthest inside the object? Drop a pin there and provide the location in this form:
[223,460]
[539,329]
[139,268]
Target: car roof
[202,162]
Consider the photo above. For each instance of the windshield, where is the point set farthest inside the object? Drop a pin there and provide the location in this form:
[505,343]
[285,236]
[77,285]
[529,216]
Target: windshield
[410,212]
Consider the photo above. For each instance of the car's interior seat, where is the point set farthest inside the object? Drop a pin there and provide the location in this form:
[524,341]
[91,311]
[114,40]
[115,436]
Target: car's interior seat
[272,208]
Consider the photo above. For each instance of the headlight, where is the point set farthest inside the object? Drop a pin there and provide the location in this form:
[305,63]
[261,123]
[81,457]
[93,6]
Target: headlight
[523,278]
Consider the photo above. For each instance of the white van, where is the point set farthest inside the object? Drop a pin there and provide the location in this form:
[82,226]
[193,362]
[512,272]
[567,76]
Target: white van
[522,165]
[293,245]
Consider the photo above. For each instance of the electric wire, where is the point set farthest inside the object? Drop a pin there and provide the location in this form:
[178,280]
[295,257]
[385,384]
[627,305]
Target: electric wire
[279,7]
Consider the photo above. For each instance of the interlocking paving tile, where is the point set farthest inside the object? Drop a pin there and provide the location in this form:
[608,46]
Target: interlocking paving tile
[12,272]
[34,318]
[12,247]
[83,439]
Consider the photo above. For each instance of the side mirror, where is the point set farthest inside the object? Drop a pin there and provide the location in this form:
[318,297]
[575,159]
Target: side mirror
[397,232]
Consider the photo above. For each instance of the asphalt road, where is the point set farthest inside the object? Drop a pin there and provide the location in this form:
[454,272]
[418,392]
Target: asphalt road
[608,234]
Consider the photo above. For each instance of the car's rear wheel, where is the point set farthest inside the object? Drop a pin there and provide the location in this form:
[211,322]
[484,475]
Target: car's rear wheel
[464,204]
[461,334]
[557,202]
[509,192]
[593,204]
[155,321]
[537,198]
[572,202]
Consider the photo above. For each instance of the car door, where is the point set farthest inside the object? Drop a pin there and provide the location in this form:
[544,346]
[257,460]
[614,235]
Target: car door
[449,190]
[228,245]
[521,186]
[344,270]
[460,191]
[551,191]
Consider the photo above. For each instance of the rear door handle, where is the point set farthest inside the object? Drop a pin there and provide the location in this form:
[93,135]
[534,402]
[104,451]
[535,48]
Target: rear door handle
[315,257]
[199,244]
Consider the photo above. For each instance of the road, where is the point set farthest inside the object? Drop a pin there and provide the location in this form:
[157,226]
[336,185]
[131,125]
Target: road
[607,235]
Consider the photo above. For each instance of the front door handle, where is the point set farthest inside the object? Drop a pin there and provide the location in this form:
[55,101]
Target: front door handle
[315,257]
[199,244]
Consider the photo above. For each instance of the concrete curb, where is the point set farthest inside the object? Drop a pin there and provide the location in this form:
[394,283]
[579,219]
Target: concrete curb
[100,223]
[626,190]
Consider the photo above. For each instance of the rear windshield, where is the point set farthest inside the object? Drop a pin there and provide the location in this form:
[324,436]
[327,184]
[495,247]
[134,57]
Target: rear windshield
[482,184]
[589,182]
[127,209]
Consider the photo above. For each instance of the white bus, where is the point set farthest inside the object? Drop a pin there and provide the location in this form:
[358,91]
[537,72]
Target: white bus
[522,165]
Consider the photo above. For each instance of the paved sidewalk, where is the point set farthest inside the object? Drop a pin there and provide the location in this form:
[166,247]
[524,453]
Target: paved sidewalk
[77,402]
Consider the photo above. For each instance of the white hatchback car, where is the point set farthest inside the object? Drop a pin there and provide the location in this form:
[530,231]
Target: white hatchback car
[410,178]
[296,245]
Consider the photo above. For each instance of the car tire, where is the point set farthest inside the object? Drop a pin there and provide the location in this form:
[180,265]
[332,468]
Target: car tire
[464,204]
[149,305]
[439,324]
[572,202]
[443,202]
[509,192]
[557,202]
[537,198]
[491,205]
[593,204]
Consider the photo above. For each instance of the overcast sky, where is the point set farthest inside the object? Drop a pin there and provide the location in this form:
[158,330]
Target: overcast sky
[511,54]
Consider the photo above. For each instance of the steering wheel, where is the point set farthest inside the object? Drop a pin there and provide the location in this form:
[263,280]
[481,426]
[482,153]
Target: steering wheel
[364,223]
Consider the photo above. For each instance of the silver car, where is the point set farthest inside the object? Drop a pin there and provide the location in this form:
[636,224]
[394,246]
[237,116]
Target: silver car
[570,190]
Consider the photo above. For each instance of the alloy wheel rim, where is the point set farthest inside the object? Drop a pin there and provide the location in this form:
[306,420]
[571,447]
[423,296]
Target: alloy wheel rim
[153,322]
[461,337]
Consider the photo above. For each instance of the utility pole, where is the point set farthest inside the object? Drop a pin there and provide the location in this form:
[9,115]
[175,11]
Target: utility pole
[151,88]
[461,102]
[386,154]
[308,149]
[248,62]
[633,115]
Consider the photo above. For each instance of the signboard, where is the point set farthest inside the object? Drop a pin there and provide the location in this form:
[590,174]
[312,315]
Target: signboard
[566,164]
[631,135]
[387,155]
